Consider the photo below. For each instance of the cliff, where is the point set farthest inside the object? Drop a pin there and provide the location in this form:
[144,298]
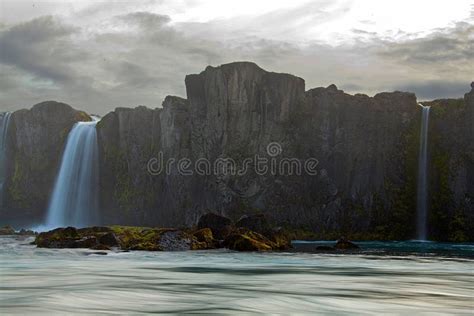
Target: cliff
[127,139]
[364,152]
[366,148]
[451,151]
[36,139]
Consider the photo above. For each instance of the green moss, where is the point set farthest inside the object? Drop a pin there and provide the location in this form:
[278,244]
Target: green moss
[245,243]
[138,238]
[45,239]
[204,235]
[15,189]
[442,108]
[246,240]
[458,227]
[128,195]
[400,221]
[81,116]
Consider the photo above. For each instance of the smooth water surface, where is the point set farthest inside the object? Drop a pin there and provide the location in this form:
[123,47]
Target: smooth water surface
[68,281]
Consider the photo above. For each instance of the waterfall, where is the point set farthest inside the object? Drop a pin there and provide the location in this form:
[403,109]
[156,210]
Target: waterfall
[422,188]
[4,122]
[74,201]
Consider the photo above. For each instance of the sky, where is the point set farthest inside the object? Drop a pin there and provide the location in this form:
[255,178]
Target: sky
[99,55]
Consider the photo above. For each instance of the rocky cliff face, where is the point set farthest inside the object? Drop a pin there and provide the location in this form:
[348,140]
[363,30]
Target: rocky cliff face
[366,148]
[367,162]
[452,168]
[127,139]
[364,152]
[36,139]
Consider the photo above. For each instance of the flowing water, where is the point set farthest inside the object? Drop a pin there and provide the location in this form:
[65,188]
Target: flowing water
[422,189]
[75,197]
[4,123]
[75,281]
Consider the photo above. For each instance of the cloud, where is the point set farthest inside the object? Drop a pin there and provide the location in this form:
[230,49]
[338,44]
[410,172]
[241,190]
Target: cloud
[134,56]
[146,20]
[40,47]
[454,44]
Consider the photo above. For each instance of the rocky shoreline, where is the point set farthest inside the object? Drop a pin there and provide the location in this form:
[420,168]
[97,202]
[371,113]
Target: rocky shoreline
[213,231]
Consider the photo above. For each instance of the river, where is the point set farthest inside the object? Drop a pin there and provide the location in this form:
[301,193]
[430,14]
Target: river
[79,281]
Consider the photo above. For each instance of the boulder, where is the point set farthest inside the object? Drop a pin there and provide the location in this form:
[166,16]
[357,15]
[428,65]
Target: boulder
[58,238]
[219,225]
[94,230]
[26,232]
[7,230]
[175,241]
[85,242]
[280,238]
[245,240]
[257,223]
[138,238]
[100,247]
[204,235]
[344,244]
[109,239]
[325,248]
[203,239]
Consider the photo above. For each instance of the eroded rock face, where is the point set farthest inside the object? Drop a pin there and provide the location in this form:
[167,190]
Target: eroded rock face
[127,139]
[366,148]
[36,139]
[451,174]
[367,153]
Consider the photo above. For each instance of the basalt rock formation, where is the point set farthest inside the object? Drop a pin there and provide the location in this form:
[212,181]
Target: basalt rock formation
[365,150]
[451,151]
[36,138]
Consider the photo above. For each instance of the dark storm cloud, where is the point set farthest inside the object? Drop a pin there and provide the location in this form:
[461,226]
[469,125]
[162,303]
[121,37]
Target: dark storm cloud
[140,57]
[40,47]
[451,44]
[146,20]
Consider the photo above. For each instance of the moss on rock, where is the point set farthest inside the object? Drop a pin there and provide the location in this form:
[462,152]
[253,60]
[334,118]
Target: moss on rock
[246,240]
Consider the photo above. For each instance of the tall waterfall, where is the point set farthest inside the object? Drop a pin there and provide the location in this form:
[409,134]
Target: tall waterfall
[422,189]
[75,197]
[4,122]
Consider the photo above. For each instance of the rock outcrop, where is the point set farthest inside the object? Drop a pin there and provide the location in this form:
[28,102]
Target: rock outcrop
[364,154]
[7,230]
[220,226]
[159,239]
[451,174]
[127,139]
[36,139]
